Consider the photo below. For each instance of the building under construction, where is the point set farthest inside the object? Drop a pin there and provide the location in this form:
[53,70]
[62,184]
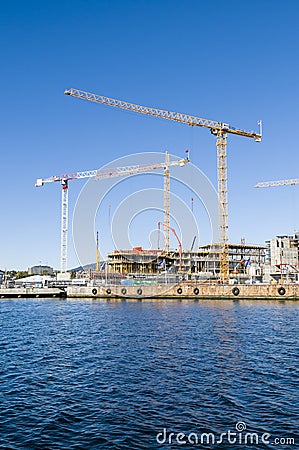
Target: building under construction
[204,260]
[241,257]
[282,257]
[220,130]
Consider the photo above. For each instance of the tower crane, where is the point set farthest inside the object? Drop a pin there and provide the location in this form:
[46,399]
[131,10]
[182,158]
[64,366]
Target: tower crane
[277,183]
[177,238]
[218,129]
[100,174]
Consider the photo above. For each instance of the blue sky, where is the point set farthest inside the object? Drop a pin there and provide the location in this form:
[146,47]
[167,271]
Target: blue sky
[232,61]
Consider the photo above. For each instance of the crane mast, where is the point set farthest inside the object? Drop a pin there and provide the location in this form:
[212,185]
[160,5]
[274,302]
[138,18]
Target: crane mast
[64,225]
[167,203]
[219,129]
[221,144]
[100,174]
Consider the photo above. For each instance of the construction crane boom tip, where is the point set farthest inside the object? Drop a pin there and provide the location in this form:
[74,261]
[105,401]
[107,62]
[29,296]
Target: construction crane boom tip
[278,183]
[39,182]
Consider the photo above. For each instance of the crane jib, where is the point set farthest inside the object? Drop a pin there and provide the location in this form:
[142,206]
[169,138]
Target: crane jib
[218,127]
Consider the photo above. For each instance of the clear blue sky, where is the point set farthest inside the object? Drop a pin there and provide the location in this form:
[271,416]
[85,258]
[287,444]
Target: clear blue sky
[231,61]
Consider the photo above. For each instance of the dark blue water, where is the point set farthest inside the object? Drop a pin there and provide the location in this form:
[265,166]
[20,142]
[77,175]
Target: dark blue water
[104,375]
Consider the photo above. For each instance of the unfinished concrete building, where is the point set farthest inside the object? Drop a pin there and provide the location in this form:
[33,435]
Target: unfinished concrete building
[283,257]
[243,259]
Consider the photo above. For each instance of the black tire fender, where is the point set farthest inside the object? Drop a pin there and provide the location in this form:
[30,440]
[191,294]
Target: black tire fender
[139,291]
[281,290]
[236,291]
[124,291]
[196,291]
[179,290]
[108,291]
[94,291]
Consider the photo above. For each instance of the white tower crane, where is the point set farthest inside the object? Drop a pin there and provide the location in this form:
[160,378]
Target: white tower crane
[277,183]
[100,175]
[219,129]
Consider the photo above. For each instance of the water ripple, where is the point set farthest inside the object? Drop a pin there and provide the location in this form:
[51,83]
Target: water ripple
[99,375]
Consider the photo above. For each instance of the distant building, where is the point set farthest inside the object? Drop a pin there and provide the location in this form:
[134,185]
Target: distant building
[1,276]
[34,280]
[40,270]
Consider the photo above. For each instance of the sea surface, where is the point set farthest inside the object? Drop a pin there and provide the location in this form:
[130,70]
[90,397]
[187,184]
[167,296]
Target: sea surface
[88,374]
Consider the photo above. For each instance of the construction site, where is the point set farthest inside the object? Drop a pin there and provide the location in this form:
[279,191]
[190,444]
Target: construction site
[218,259]
[219,262]
[205,261]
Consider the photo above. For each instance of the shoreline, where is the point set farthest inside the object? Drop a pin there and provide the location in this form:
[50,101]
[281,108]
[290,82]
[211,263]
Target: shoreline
[185,290]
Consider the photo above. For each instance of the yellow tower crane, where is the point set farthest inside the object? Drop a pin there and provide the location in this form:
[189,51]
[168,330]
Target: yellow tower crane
[218,129]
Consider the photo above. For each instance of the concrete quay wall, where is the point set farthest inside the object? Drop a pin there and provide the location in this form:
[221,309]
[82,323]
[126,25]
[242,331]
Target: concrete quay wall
[189,290]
